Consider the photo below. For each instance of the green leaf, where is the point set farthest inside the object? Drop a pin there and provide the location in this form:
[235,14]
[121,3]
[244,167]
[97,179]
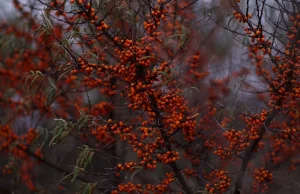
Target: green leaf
[135,172]
[51,95]
[164,73]
[48,22]
[60,132]
[52,82]
[61,75]
[32,82]
[84,157]
[89,188]
[43,132]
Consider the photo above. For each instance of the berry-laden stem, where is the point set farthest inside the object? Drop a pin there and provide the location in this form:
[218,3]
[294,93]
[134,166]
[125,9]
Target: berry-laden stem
[248,153]
[173,165]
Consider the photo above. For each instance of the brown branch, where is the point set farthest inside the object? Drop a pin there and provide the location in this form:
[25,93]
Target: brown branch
[248,153]
[173,165]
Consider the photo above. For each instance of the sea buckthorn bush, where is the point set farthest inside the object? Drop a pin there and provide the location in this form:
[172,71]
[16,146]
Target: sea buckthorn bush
[150,96]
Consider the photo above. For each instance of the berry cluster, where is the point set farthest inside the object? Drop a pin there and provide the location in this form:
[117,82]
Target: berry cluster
[294,164]
[223,153]
[18,146]
[133,52]
[261,177]
[195,70]
[130,187]
[237,139]
[189,172]
[223,183]
[102,108]
[240,17]
[168,157]
[157,14]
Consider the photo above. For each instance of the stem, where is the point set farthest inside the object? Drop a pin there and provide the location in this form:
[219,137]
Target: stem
[173,165]
[248,153]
